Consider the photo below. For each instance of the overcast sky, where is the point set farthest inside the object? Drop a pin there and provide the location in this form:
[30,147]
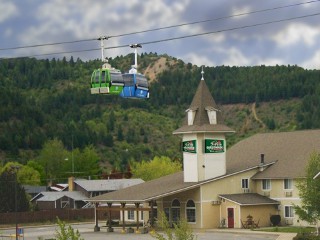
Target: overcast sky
[31,22]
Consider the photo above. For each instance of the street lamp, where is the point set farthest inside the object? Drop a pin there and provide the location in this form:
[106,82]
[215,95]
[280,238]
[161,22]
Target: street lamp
[72,162]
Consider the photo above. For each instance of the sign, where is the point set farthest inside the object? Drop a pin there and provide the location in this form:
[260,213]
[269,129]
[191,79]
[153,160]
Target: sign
[214,146]
[189,146]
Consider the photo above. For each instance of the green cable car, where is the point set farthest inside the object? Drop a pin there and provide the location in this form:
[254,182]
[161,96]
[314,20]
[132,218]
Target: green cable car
[106,80]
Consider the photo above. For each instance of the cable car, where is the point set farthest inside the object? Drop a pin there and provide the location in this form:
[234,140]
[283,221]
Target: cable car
[135,84]
[106,80]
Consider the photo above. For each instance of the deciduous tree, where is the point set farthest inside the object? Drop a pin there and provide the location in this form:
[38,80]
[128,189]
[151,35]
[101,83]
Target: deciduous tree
[309,192]
[158,167]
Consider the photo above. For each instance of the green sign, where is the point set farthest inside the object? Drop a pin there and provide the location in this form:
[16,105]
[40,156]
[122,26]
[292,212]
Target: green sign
[214,146]
[189,146]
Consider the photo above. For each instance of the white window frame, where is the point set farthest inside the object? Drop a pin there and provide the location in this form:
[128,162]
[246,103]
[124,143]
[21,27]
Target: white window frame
[268,184]
[245,183]
[193,209]
[130,215]
[290,210]
[289,182]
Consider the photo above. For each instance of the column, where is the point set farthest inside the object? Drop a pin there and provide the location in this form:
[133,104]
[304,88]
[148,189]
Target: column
[96,227]
[109,229]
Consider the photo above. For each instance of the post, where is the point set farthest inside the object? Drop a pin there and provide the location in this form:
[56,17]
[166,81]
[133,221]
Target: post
[16,205]
[137,211]
[123,222]
[110,229]
[72,157]
[96,227]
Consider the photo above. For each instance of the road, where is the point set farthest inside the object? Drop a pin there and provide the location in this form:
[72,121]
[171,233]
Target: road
[86,231]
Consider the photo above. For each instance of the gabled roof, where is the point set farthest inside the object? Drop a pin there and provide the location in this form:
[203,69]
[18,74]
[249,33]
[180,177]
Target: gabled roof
[157,188]
[203,101]
[107,185]
[54,196]
[249,199]
[290,150]
[34,189]
[146,191]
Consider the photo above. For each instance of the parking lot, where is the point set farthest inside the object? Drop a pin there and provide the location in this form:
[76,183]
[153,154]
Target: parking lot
[87,233]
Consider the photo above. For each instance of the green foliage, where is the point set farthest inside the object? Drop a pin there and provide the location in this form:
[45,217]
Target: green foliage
[309,192]
[158,167]
[25,174]
[7,188]
[66,232]
[47,100]
[180,230]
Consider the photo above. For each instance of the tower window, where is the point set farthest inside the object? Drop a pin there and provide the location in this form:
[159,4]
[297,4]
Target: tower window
[212,115]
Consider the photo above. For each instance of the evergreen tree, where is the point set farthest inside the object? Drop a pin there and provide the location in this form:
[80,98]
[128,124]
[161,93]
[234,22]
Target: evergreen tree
[9,186]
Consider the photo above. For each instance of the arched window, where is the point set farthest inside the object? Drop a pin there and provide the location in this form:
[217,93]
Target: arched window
[191,211]
[175,209]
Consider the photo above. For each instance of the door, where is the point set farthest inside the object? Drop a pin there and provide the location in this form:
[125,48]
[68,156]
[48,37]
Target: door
[230,217]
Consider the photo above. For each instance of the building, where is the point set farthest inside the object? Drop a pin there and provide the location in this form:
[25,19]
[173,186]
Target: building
[74,194]
[238,188]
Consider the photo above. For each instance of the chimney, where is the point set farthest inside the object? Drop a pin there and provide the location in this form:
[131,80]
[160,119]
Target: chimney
[71,183]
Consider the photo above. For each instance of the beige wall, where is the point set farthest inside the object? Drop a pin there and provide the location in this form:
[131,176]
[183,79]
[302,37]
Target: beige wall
[260,213]
[183,197]
[285,197]
[227,185]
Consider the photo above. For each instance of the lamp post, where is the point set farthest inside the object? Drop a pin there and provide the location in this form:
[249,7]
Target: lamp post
[67,159]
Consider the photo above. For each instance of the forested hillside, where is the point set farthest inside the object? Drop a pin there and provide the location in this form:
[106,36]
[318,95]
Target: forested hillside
[50,99]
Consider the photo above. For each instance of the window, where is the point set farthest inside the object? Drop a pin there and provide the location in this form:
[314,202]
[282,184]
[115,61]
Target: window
[212,114]
[131,215]
[288,212]
[191,211]
[175,208]
[245,183]
[191,115]
[266,184]
[287,184]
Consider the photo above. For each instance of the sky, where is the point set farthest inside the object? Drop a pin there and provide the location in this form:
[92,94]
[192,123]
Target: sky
[238,33]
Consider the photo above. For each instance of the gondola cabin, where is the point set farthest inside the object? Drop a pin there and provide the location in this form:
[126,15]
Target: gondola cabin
[135,86]
[106,80]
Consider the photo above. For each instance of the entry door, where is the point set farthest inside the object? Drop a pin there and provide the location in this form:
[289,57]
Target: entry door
[230,217]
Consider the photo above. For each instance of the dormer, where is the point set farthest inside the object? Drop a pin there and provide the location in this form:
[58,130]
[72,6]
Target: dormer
[212,114]
[191,115]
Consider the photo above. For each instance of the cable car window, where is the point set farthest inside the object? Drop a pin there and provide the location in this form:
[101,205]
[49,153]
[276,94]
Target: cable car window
[141,81]
[97,76]
[116,77]
[103,77]
[128,79]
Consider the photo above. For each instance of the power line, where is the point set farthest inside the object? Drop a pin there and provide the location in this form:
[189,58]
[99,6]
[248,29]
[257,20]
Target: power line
[177,38]
[160,28]
[215,19]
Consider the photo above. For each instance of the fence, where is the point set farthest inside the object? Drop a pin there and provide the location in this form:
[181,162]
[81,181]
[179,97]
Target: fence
[51,216]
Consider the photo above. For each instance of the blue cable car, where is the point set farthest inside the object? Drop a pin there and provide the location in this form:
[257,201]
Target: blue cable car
[135,84]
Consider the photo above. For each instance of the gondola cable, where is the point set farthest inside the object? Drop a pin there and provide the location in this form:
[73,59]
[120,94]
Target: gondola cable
[175,38]
[157,29]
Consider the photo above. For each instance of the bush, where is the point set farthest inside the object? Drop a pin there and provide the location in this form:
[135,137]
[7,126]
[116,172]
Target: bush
[181,230]
[275,220]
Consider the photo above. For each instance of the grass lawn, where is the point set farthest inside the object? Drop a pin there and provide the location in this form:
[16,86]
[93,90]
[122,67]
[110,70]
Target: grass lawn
[287,229]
